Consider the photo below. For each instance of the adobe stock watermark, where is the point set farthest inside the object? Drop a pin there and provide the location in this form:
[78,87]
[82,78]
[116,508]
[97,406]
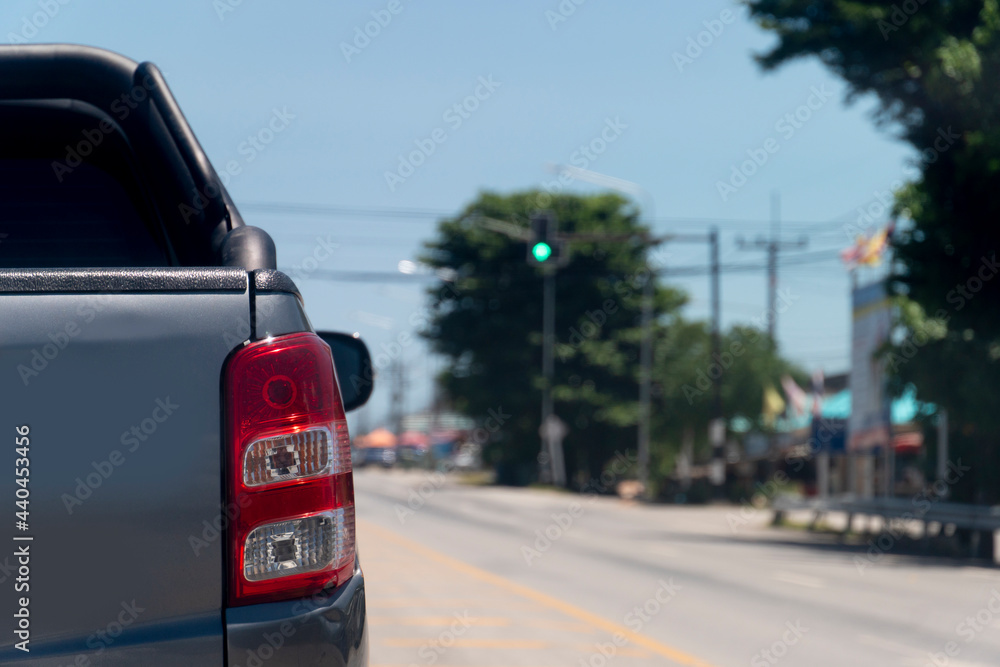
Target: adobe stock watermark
[102,639]
[433,482]
[625,288]
[121,107]
[697,44]
[33,24]
[898,17]
[250,148]
[764,493]
[321,252]
[223,7]
[430,653]
[773,654]
[882,200]
[958,297]
[969,628]
[389,352]
[99,641]
[271,644]
[44,355]
[363,35]
[967,291]
[563,522]
[216,528]
[583,157]
[454,117]
[787,126]
[635,620]
[922,503]
[562,13]
[724,361]
[131,440]
[241,331]
[591,326]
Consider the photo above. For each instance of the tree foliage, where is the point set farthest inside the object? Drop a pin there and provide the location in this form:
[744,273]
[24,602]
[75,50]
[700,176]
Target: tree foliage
[489,324]
[486,318]
[931,64]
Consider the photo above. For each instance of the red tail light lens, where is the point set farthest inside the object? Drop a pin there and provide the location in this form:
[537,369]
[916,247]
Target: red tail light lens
[289,462]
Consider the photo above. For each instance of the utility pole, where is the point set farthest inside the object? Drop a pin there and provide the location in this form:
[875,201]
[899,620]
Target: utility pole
[717,426]
[773,246]
[942,447]
[772,268]
[398,394]
[645,380]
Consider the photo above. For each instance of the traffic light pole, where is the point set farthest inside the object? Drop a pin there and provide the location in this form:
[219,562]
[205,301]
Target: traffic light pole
[645,381]
[553,446]
[717,425]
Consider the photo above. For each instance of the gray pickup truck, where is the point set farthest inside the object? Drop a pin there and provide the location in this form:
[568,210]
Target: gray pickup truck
[177,483]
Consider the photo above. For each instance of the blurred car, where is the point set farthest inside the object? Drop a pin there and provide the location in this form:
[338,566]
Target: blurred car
[409,456]
[468,458]
[383,456]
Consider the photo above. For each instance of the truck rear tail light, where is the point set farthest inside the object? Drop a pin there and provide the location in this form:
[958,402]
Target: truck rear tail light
[289,461]
[302,545]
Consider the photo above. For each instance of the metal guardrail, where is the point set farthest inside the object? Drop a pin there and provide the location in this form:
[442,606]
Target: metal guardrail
[972,517]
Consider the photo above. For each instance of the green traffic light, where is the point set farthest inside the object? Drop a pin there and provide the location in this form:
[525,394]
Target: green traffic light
[541,251]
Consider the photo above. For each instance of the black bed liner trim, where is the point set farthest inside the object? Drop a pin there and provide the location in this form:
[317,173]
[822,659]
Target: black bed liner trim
[173,279]
[271,280]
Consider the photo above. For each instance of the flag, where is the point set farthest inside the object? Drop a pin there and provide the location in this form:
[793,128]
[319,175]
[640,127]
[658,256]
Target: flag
[774,405]
[868,251]
[795,395]
[818,381]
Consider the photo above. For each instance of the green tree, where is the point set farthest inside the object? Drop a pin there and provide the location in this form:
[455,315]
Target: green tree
[487,321]
[685,370]
[931,64]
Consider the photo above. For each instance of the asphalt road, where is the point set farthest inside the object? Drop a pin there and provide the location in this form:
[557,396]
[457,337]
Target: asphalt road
[480,576]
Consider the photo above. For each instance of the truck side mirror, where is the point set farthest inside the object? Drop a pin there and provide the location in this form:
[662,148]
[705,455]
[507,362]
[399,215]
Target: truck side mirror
[353,364]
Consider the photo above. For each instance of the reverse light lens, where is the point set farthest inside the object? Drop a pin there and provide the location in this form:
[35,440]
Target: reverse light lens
[299,546]
[289,457]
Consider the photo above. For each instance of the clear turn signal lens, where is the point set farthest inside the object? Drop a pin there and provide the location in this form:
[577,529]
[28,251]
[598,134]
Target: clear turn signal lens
[288,457]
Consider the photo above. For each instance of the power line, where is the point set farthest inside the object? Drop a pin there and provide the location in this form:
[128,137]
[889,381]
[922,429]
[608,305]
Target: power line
[396,277]
[415,214]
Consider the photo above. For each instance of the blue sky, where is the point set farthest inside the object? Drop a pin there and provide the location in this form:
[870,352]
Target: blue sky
[556,84]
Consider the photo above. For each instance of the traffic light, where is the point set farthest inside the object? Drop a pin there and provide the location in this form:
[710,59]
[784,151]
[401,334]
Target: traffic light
[541,251]
[543,246]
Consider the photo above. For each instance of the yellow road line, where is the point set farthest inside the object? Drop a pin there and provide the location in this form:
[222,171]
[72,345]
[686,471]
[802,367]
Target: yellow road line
[549,624]
[436,621]
[573,611]
[623,651]
[431,603]
[458,602]
[519,644]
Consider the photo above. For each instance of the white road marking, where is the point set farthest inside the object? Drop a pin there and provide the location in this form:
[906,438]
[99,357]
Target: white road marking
[798,579]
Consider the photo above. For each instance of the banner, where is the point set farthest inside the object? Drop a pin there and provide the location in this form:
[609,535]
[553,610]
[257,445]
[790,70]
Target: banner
[870,407]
